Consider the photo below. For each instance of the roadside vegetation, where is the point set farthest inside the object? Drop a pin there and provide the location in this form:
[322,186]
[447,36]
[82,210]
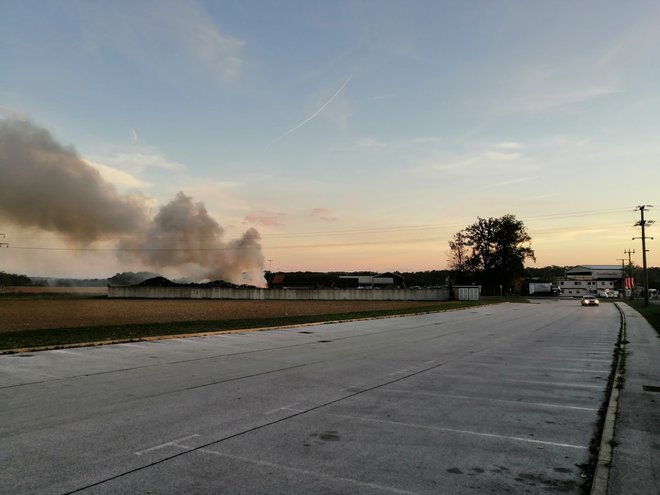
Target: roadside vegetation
[37,339]
[651,312]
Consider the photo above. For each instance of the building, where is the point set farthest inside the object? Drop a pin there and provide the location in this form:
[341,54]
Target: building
[387,280]
[601,280]
[316,280]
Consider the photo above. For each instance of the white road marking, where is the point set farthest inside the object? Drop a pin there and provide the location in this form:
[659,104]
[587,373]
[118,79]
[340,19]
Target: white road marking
[284,408]
[357,483]
[463,432]
[173,443]
[541,369]
[468,397]
[411,369]
[534,382]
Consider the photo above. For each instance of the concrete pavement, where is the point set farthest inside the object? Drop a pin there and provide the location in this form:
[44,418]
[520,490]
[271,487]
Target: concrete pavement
[635,467]
[499,399]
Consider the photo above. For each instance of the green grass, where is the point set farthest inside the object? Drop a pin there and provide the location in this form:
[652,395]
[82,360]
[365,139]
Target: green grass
[651,312]
[60,337]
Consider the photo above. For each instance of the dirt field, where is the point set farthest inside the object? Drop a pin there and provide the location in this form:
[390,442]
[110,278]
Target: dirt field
[16,315]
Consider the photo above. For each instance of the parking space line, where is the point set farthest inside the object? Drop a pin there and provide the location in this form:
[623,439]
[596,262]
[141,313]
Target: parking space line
[472,397]
[462,432]
[289,408]
[533,382]
[541,368]
[173,443]
[351,481]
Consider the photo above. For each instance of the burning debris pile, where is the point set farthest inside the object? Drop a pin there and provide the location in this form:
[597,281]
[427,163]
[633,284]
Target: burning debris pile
[164,282]
[49,187]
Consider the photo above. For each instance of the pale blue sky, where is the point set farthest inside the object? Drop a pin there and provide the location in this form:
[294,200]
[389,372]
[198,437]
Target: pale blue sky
[351,135]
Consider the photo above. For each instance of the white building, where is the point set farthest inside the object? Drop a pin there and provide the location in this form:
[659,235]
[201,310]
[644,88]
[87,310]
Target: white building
[602,280]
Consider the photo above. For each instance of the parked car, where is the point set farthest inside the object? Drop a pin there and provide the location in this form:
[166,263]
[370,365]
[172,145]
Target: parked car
[590,301]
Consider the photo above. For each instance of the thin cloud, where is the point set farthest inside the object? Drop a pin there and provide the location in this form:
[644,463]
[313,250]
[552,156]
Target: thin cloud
[509,145]
[371,143]
[498,158]
[426,140]
[568,96]
[323,214]
[265,218]
[194,44]
[117,177]
[13,113]
[509,182]
[140,161]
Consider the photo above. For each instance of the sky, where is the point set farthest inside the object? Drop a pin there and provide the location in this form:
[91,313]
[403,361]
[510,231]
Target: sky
[250,135]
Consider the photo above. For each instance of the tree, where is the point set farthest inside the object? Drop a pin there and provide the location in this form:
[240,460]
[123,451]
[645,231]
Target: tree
[13,279]
[494,251]
[458,256]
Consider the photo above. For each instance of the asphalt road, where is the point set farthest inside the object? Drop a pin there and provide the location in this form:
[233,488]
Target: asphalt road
[498,399]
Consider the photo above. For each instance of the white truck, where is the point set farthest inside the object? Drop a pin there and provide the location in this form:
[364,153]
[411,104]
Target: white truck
[541,289]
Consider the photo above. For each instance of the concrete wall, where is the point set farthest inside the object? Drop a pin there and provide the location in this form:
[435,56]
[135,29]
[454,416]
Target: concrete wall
[279,294]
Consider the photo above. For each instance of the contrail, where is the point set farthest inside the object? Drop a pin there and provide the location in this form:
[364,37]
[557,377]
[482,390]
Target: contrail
[293,129]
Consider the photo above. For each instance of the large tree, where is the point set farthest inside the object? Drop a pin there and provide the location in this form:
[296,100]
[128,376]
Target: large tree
[493,251]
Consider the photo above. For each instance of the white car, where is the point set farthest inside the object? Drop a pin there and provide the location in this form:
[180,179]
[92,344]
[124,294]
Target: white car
[590,301]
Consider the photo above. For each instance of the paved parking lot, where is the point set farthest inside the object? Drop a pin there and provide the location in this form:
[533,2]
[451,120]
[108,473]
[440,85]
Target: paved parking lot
[498,399]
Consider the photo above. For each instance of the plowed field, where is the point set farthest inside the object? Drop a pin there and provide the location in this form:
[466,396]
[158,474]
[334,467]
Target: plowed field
[17,314]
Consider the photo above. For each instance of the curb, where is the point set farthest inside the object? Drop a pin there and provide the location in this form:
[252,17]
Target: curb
[604,463]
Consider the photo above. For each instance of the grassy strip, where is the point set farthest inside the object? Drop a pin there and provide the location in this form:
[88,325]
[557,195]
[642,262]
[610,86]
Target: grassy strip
[651,312]
[58,337]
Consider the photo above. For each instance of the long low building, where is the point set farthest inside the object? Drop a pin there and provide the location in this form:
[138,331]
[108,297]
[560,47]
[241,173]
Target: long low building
[592,279]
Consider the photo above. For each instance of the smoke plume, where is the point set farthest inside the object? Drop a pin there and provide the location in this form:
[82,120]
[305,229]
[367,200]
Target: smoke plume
[49,187]
[184,235]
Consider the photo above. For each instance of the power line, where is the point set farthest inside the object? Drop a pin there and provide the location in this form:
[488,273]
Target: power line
[367,231]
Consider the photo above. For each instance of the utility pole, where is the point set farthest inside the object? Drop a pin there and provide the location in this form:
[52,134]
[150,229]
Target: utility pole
[629,252]
[643,223]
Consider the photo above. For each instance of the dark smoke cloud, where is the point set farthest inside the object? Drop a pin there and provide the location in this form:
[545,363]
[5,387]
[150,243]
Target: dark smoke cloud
[49,187]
